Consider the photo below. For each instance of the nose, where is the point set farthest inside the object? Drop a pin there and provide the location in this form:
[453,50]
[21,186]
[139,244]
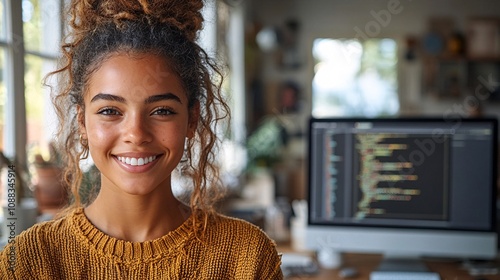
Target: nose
[136,130]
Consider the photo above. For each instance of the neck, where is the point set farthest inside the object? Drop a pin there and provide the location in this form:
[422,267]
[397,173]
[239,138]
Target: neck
[137,218]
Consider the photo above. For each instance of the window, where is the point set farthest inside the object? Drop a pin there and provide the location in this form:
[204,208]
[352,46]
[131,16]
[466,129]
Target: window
[30,35]
[42,36]
[354,78]
[3,45]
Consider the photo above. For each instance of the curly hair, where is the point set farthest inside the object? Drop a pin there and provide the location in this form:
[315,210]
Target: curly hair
[167,28]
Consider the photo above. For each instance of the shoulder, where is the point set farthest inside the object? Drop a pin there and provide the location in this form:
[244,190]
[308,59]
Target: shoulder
[245,245]
[44,237]
[223,225]
[33,248]
[238,235]
[42,231]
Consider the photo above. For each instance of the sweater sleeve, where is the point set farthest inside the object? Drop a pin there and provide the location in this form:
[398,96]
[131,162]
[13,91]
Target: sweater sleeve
[260,258]
[23,257]
[7,262]
[269,262]
[17,259]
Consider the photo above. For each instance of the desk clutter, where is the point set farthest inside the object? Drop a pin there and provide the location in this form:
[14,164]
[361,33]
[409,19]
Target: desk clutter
[355,266]
[297,264]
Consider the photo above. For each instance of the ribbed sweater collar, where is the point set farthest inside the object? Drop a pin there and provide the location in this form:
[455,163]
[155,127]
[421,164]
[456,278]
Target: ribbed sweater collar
[126,251]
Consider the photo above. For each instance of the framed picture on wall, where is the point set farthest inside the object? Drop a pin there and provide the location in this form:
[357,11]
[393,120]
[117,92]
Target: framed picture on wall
[483,38]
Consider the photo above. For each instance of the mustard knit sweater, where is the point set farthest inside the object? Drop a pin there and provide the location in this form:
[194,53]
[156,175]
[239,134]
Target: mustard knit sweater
[73,248]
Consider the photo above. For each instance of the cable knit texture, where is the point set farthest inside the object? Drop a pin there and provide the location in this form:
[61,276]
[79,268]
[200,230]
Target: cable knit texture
[73,248]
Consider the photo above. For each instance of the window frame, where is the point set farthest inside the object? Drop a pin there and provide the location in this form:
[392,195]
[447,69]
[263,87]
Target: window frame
[15,122]
[15,112]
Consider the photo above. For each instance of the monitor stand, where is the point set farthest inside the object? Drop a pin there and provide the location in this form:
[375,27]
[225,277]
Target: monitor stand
[402,264]
[391,267]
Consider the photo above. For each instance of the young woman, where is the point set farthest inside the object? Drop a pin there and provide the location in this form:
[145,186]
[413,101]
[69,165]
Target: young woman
[139,98]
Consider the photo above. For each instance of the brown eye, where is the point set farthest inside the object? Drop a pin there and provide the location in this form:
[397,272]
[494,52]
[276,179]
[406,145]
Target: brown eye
[163,111]
[108,111]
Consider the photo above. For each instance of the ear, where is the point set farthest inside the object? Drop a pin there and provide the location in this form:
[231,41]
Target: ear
[81,120]
[194,116]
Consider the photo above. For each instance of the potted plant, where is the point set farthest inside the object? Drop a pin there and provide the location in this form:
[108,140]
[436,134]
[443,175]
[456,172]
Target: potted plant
[48,187]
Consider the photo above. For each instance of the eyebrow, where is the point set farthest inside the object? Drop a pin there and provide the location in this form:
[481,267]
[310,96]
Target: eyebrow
[109,97]
[149,100]
[160,97]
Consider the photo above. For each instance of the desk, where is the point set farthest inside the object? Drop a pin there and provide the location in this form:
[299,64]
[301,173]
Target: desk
[366,263]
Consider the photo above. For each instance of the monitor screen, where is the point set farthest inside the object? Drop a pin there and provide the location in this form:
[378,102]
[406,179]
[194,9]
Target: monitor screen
[413,186]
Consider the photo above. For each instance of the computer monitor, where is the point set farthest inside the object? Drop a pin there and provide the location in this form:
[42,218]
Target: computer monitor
[405,187]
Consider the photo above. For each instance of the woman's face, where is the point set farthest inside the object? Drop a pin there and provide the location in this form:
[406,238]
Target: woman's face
[136,120]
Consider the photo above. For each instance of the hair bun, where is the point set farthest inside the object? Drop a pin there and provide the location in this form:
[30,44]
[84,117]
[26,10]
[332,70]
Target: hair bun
[184,14]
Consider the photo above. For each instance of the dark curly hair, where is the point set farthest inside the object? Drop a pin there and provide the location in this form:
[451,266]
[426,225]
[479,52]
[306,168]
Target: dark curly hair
[167,28]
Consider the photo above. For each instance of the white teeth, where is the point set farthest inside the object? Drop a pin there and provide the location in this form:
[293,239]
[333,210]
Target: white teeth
[136,161]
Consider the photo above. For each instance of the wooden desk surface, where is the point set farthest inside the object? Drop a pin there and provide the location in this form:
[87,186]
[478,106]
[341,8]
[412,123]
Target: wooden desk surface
[366,263]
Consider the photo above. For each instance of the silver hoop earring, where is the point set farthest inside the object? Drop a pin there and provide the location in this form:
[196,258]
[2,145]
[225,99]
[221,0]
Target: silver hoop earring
[85,146]
[185,157]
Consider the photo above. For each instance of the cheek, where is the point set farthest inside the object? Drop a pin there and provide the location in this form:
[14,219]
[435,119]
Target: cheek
[172,138]
[99,137]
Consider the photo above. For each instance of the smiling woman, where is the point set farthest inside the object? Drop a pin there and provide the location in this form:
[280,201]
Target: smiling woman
[138,97]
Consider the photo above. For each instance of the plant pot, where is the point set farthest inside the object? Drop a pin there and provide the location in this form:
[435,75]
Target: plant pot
[49,189]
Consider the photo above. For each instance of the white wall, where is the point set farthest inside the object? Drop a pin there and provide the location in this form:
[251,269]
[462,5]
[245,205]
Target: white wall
[377,18]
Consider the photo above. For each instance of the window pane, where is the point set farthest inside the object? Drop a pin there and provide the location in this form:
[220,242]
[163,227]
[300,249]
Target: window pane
[354,78]
[37,100]
[3,18]
[3,92]
[42,26]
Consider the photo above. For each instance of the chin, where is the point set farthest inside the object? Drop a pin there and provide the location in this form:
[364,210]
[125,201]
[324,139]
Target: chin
[136,191]
[139,187]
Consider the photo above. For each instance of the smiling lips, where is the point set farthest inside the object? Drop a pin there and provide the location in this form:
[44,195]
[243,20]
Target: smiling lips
[136,161]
